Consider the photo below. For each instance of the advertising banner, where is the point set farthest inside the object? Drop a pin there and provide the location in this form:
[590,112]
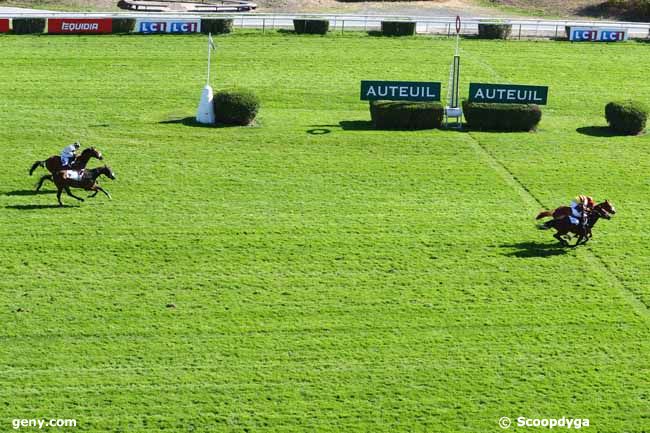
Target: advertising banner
[400,91]
[167,26]
[4,25]
[584,34]
[79,25]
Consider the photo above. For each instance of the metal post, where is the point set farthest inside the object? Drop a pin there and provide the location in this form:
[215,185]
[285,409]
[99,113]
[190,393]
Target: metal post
[263,25]
[519,31]
[342,26]
[556,31]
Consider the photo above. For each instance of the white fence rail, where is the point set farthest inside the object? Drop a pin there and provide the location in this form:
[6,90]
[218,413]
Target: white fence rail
[341,22]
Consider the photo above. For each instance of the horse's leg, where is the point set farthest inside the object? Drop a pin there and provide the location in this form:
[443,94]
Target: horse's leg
[39,184]
[104,191]
[559,237]
[58,195]
[67,190]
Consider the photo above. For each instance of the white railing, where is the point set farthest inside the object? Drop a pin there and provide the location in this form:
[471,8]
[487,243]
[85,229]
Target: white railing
[343,22]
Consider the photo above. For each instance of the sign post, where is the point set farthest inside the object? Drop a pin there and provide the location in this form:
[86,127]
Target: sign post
[205,113]
[453,109]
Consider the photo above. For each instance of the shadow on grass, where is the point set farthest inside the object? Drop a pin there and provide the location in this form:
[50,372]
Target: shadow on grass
[597,131]
[187,121]
[535,249]
[27,192]
[37,206]
[357,125]
[345,125]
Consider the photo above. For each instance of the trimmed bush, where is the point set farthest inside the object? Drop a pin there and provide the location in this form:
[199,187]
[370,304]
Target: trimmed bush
[312,27]
[236,107]
[23,26]
[406,115]
[123,25]
[398,28]
[626,117]
[494,31]
[216,26]
[501,117]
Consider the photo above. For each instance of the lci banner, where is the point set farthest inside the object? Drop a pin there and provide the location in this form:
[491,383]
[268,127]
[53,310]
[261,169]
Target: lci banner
[4,25]
[79,25]
[508,93]
[581,34]
[400,91]
[168,26]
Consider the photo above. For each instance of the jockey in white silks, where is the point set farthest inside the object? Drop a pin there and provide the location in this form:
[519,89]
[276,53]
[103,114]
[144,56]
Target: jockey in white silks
[68,154]
[579,208]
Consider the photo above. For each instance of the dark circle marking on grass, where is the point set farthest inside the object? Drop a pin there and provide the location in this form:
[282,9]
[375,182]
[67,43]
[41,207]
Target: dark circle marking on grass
[319,131]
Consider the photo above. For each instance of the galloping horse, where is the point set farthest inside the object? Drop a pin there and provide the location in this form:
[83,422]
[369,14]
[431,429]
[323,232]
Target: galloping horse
[53,164]
[88,182]
[564,225]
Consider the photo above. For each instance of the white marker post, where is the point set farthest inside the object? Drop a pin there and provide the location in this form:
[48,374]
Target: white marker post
[205,113]
[453,109]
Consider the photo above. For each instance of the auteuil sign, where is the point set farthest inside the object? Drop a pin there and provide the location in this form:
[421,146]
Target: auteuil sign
[400,91]
[508,93]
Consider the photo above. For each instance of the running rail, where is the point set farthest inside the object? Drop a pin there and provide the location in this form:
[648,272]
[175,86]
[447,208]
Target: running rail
[342,22]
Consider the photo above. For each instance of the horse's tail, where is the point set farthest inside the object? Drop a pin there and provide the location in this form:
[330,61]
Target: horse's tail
[35,166]
[546,213]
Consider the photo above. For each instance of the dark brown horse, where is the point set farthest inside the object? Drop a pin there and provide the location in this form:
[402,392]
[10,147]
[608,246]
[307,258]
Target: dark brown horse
[563,226]
[88,182]
[53,164]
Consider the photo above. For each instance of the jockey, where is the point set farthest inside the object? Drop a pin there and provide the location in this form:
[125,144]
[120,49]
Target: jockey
[68,154]
[580,207]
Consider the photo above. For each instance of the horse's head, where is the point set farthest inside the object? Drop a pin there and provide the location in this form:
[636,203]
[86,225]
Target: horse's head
[608,207]
[604,210]
[108,172]
[92,152]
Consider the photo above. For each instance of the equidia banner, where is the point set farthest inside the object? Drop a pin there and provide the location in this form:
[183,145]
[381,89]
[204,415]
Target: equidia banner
[168,26]
[79,25]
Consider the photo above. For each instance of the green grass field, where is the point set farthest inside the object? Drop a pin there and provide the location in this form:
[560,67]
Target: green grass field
[326,277]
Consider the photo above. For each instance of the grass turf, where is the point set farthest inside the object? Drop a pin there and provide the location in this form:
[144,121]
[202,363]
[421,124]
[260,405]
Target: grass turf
[323,276]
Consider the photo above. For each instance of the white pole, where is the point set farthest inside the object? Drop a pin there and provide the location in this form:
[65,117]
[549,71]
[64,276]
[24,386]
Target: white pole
[209,52]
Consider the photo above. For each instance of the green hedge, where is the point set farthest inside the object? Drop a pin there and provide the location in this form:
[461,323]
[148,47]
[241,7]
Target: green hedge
[494,31]
[216,26]
[406,115]
[123,25]
[22,26]
[398,28]
[309,26]
[501,117]
[626,117]
[235,107]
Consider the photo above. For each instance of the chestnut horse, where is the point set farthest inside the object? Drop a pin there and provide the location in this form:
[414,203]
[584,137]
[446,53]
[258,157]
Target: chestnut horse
[88,182]
[53,164]
[563,226]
